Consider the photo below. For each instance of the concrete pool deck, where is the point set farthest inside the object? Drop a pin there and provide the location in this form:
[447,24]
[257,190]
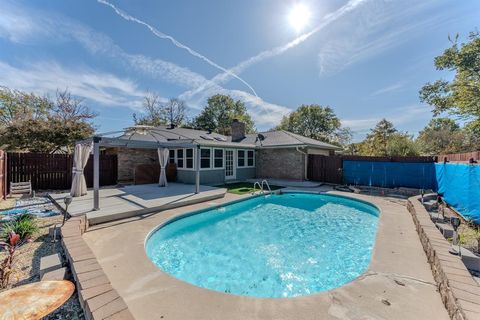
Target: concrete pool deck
[397,285]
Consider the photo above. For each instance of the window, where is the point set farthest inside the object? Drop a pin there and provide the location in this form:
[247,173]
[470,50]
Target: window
[250,158]
[205,156]
[180,158]
[189,158]
[172,156]
[241,158]
[218,158]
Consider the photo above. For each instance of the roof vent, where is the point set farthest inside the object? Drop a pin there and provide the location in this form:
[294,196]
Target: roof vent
[220,139]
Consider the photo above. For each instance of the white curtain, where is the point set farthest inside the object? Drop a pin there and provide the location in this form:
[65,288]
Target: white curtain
[163,156]
[80,159]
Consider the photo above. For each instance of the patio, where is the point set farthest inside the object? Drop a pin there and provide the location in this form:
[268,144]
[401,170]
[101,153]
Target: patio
[124,202]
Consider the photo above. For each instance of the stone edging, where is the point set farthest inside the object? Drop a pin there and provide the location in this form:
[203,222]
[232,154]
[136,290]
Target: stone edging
[99,300]
[458,290]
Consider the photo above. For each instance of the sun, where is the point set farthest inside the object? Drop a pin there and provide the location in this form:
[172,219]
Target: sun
[299,16]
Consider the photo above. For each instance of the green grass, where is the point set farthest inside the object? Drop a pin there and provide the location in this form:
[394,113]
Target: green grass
[243,187]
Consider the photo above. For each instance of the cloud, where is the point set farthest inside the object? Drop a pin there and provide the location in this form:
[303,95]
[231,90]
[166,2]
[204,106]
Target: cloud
[18,27]
[364,35]
[388,89]
[270,53]
[400,117]
[265,114]
[175,42]
[56,27]
[47,77]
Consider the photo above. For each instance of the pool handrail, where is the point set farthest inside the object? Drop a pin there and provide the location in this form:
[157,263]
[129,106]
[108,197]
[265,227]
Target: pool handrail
[260,187]
[268,186]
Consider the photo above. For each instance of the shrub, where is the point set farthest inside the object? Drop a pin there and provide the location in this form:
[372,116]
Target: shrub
[23,225]
[7,267]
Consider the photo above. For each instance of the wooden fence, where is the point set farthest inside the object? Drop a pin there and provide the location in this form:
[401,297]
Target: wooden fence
[54,171]
[325,168]
[414,159]
[3,174]
[460,157]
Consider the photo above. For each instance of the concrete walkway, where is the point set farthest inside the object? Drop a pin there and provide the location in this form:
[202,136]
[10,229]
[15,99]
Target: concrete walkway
[397,285]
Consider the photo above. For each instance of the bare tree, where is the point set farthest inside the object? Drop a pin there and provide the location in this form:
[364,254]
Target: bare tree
[157,113]
[153,114]
[175,112]
[70,109]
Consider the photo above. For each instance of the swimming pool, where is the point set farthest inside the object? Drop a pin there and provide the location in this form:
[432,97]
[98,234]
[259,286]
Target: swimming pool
[286,245]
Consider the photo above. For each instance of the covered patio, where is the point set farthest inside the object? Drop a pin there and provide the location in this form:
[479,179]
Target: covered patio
[112,203]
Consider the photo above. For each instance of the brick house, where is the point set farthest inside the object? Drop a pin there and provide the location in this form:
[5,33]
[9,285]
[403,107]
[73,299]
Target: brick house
[241,156]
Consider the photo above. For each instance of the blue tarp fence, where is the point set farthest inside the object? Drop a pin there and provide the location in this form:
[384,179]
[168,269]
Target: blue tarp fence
[390,174]
[459,184]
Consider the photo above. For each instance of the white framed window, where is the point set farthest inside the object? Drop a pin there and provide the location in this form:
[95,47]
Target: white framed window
[240,158]
[245,158]
[180,158]
[218,158]
[250,158]
[189,158]
[205,158]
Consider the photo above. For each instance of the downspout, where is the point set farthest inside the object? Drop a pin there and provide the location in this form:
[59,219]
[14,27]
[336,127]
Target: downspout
[306,162]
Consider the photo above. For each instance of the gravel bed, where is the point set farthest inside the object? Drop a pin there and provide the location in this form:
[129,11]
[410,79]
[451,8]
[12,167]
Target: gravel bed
[28,264]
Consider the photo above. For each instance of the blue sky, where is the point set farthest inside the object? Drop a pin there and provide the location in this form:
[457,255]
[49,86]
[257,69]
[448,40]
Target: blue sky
[367,59]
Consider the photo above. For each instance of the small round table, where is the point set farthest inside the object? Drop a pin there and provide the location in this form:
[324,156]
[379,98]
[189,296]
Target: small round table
[35,300]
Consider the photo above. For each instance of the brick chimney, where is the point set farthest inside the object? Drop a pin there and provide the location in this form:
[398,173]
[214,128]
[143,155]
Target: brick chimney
[238,130]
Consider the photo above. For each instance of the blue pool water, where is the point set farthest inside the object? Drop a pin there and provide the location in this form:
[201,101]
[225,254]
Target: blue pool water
[274,246]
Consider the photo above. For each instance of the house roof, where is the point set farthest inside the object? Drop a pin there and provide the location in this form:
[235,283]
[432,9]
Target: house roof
[282,138]
[270,139]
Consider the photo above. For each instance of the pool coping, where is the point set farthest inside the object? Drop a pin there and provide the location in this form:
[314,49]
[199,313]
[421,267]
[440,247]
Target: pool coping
[98,299]
[377,269]
[455,284]
[246,198]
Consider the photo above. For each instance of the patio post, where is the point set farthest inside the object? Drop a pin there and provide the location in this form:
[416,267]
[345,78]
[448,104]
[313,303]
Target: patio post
[96,172]
[197,170]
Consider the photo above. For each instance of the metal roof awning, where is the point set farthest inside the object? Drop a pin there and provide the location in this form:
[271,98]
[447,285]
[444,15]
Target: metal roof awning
[138,137]
[143,144]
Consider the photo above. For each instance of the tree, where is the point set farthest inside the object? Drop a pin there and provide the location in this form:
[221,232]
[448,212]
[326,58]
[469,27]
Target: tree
[342,137]
[376,142]
[17,106]
[441,136]
[175,112]
[401,145]
[157,113]
[460,96]
[34,123]
[70,109]
[313,121]
[153,114]
[219,114]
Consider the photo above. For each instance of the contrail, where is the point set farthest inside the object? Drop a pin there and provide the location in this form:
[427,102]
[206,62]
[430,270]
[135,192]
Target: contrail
[178,44]
[352,4]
